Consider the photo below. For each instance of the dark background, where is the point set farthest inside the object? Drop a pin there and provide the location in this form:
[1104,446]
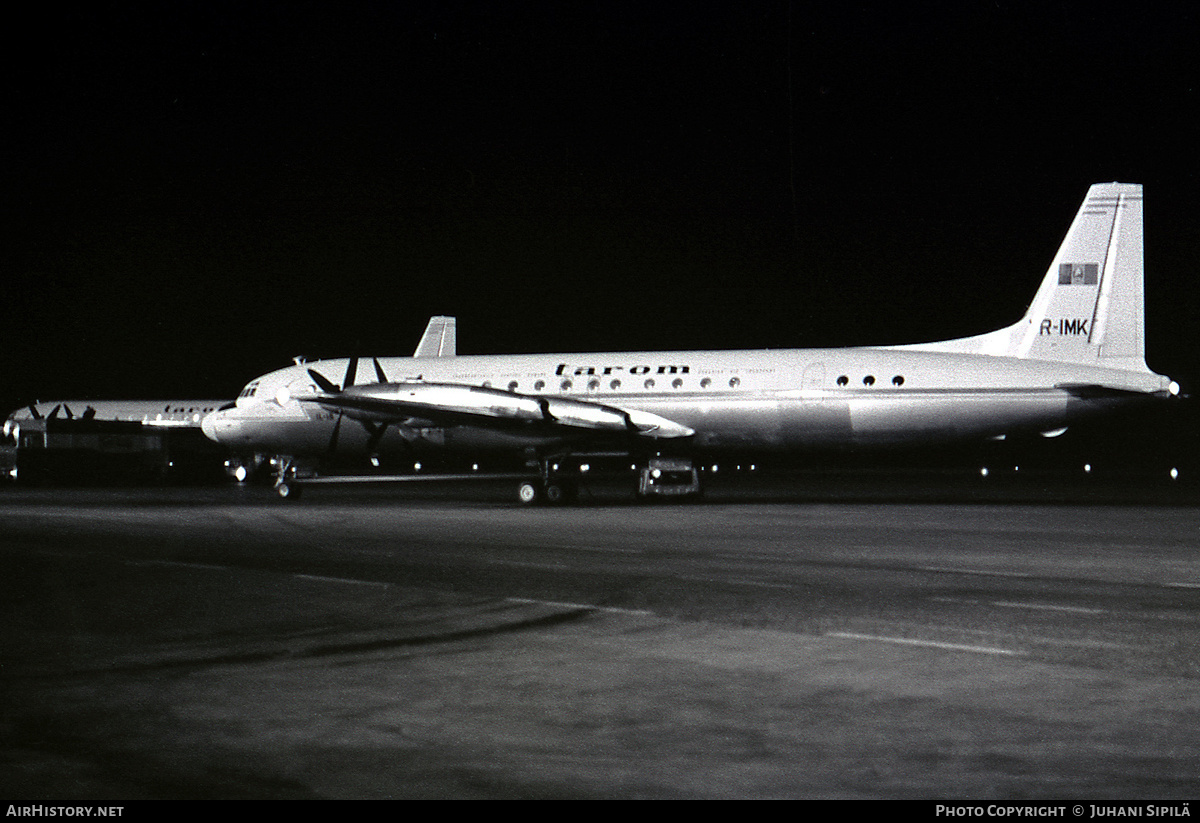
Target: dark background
[197,192]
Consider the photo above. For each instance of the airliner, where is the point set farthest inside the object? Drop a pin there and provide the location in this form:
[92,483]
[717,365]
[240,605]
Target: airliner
[1077,353]
[72,439]
[152,413]
[138,425]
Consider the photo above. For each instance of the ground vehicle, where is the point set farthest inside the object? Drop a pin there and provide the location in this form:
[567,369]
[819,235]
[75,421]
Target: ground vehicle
[668,477]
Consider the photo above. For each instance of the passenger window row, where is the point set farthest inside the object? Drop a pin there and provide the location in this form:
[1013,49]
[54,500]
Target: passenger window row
[869,380]
[594,383]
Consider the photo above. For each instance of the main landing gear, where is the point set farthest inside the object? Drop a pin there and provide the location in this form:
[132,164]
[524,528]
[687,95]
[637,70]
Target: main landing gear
[558,483]
[552,492]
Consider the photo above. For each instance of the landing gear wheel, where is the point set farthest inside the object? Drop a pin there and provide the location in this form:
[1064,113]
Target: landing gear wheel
[287,491]
[561,493]
[529,492]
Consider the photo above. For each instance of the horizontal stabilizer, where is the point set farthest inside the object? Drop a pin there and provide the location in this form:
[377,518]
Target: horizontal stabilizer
[1095,391]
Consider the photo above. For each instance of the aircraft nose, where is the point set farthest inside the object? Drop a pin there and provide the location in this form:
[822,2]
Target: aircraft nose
[211,426]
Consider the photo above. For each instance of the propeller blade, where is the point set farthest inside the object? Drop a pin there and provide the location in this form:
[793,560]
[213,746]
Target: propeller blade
[376,430]
[54,412]
[67,410]
[351,373]
[323,382]
[379,371]
[37,415]
[333,440]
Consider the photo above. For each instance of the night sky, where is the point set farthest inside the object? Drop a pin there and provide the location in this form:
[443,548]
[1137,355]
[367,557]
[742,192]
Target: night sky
[195,192]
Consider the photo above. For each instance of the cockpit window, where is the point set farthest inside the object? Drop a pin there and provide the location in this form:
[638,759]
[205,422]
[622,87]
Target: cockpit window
[250,389]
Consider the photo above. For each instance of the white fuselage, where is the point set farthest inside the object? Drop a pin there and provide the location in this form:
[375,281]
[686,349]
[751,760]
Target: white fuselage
[153,414]
[785,399]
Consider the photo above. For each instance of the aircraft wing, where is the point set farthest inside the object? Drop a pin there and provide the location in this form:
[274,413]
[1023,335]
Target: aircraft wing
[456,404]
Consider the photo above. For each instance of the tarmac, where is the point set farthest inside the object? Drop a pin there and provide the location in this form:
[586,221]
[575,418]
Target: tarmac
[777,640]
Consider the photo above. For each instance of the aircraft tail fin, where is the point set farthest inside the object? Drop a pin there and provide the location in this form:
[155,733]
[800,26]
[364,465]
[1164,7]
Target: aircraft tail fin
[439,339]
[1089,308]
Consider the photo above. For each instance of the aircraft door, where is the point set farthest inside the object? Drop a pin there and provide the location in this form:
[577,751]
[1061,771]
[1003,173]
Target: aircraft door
[811,382]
